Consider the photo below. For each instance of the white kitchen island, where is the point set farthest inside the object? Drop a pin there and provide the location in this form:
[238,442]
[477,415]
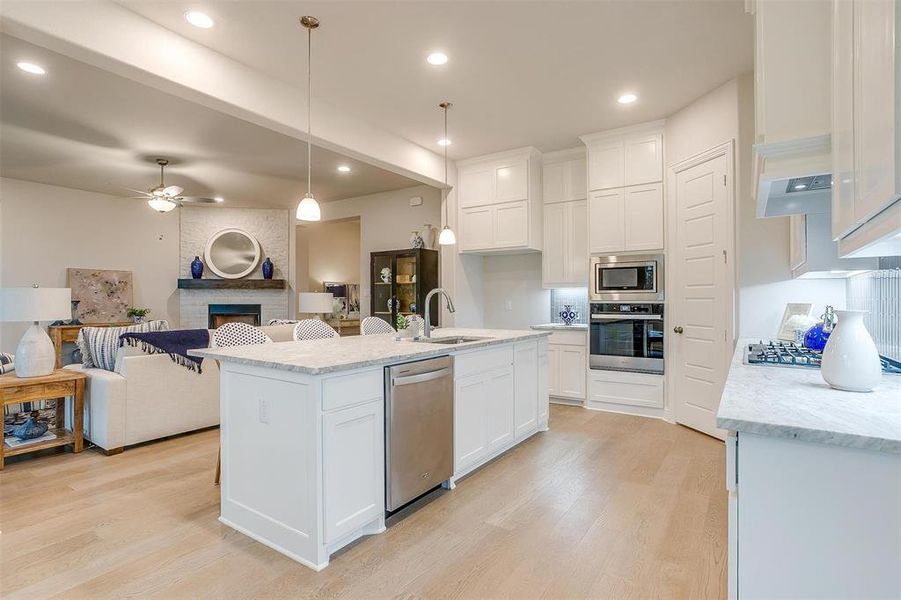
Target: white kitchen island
[303,431]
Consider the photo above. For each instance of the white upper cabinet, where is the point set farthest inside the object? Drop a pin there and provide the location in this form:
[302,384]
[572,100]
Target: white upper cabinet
[565,254]
[606,225]
[866,161]
[643,217]
[565,177]
[500,202]
[624,157]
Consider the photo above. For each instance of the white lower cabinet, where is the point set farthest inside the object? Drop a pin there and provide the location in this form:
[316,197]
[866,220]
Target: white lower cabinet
[543,387]
[497,402]
[567,362]
[353,468]
[607,388]
[809,520]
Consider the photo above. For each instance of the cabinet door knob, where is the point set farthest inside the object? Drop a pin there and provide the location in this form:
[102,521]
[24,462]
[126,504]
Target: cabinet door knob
[678,329]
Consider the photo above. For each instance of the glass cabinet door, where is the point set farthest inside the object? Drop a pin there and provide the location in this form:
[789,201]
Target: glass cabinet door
[383,288]
[406,285]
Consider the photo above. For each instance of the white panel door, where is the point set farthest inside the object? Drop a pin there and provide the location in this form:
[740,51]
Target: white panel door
[511,224]
[577,180]
[554,255]
[577,234]
[643,217]
[476,186]
[553,184]
[511,181]
[605,221]
[477,228]
[525,369]
[553,370]
[470,420]
[499,402]
[643,159]
[605,165]
[874,106]
[353,457]
[572,372]
[701,304]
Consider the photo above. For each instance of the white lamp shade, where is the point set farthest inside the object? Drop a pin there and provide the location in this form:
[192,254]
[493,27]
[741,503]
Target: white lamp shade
[35,304]
[308,209]
[162,205]
[447,237]
[315,302]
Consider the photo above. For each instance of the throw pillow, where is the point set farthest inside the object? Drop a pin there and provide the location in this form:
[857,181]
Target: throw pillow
[7,363]
[99,345]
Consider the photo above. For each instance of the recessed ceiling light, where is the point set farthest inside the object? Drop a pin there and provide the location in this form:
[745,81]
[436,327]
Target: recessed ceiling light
[31,68]
[437,58]
[627,99]
[444,142]
[199,19]
[343,168]
[219,199]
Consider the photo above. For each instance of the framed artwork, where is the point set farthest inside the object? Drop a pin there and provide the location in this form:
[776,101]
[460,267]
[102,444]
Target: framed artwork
[796,316]
[346,298]
[104,296]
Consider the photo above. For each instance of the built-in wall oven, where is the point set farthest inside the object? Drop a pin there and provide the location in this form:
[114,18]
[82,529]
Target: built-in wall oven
[626,337]
[635,278]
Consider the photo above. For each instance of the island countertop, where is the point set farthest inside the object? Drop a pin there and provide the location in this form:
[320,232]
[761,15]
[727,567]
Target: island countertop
[796,403]
[316,357]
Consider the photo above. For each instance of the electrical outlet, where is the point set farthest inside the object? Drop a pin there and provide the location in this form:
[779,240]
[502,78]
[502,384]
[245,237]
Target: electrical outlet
[416,201]
[264,410]
[508,304]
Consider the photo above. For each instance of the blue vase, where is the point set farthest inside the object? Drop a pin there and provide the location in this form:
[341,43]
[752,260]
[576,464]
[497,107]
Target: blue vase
[268,268]
[30,429]
[196,268]
[816,337]
[568,315]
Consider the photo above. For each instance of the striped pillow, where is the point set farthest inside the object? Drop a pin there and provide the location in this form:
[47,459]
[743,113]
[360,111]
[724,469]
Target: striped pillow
[100,345]
[7,363]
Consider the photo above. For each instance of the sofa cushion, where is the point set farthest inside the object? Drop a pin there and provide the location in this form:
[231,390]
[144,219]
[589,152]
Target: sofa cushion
[100,345]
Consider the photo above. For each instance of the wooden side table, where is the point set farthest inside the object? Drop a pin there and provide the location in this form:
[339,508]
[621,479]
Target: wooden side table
[61,334]
[56,386]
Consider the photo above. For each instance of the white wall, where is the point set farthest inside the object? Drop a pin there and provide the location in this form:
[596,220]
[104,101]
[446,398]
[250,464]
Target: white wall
[386,221]
[330,252]
[46,229]
[512,292]
[763,276]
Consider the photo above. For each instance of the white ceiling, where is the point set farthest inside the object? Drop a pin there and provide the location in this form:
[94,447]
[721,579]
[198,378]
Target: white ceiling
[520,73]
[86,128]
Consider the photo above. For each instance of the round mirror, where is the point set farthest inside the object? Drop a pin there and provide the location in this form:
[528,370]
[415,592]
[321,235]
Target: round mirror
[232,253]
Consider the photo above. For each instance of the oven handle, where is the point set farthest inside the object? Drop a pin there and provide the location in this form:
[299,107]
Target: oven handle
[627,317]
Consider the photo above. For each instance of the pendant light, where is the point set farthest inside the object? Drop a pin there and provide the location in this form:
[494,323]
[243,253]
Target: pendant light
[308,209]
[447,237]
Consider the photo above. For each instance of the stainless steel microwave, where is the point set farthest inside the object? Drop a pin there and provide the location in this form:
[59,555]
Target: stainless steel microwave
[635,278]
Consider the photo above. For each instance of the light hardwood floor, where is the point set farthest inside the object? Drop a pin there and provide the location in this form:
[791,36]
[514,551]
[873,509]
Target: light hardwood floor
[601,506]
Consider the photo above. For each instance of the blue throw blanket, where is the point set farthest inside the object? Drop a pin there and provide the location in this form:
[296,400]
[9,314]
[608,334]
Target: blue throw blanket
[175,343]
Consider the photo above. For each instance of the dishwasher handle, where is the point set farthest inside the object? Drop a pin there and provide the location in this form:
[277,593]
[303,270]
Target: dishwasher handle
[420,378]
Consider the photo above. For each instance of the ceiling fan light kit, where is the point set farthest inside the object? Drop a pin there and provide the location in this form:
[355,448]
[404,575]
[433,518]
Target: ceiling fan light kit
[163,198]
[308,208]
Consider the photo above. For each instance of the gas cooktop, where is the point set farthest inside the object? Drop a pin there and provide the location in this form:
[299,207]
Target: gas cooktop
[789,354]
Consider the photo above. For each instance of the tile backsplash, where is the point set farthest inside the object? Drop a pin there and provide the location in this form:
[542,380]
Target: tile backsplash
[879,293]
[578,297]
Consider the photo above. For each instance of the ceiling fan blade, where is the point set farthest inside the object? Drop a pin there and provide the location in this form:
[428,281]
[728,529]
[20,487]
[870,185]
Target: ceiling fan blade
[144,194]
[173,190]
[198,200]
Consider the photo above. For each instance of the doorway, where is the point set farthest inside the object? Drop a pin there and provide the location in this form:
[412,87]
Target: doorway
[701,285]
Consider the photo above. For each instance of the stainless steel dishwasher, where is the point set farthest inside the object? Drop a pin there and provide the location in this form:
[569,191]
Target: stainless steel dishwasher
[419,428]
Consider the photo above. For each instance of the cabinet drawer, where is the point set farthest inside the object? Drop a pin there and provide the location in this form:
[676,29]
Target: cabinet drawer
[637,389]
[356,388]
[482,361]
[568,338]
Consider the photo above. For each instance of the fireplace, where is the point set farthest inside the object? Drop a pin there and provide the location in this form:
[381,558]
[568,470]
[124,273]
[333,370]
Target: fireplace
[219,314]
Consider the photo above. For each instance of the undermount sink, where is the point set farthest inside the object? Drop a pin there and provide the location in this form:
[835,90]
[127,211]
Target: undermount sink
[450,340]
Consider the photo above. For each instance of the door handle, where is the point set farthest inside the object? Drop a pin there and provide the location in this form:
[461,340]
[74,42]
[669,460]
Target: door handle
[421,378]
[678,329]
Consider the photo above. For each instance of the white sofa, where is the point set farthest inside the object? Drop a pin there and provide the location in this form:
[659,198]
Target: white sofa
[149,396]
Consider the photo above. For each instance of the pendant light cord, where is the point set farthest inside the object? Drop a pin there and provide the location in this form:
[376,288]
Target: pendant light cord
[310,110]
[446,217]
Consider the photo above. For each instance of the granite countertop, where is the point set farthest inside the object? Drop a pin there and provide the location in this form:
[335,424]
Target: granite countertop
[796,403]
[561,327]
[315,357]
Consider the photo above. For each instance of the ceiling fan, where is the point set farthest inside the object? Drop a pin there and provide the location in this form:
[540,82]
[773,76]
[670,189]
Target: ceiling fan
[163,198]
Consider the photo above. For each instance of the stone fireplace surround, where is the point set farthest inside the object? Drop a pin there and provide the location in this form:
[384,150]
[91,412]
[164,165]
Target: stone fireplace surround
[271,227]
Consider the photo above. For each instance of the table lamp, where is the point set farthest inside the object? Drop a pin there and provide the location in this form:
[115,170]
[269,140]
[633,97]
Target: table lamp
[35,355]
[315,302]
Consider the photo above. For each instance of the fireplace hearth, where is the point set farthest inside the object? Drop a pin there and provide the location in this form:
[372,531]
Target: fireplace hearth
[219,314]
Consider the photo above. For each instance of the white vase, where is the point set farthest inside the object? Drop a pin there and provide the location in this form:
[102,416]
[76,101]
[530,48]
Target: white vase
[850,359]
